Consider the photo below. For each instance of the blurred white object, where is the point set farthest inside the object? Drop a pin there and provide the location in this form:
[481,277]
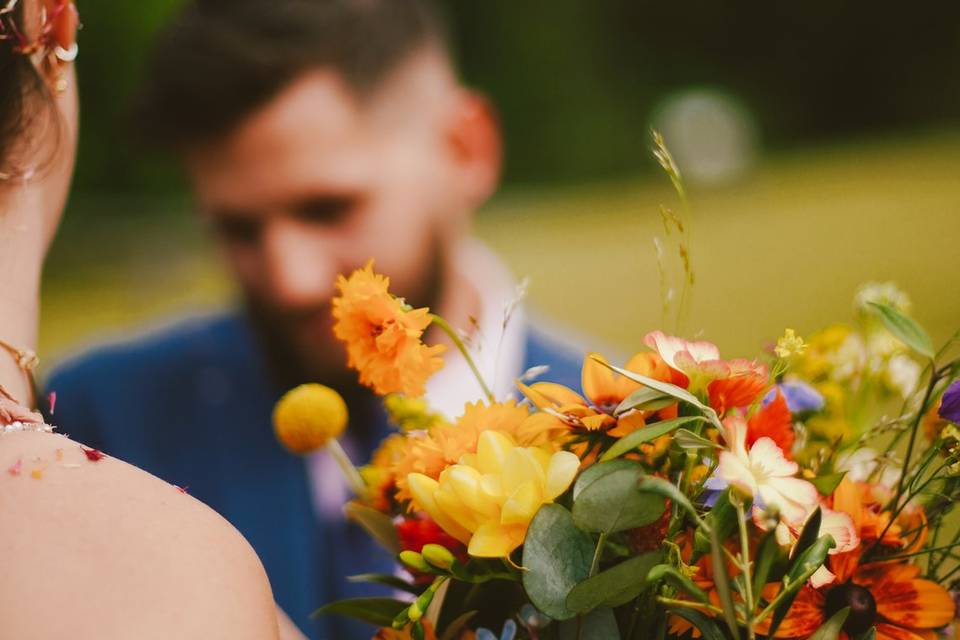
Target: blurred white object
[711,134]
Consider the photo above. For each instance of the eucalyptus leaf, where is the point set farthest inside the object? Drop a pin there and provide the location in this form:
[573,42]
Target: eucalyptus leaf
[591,473]
[616,586]
[644,399]
[708,628]
[556,555]
[905,329]
[378,525]
[378,611]
[830,630]
[805,564]
[646,434]
[661,487]
[596,625]
[612,503]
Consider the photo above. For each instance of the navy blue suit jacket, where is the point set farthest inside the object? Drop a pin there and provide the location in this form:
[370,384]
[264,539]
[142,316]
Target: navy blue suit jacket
[192,405]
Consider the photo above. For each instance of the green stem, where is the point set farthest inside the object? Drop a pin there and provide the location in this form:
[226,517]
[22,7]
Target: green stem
[745,568]
[350,473]
[689,604]
[452,334]
[596,554]
[783,593]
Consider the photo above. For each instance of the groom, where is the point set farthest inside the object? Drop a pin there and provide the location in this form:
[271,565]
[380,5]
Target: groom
[316,134]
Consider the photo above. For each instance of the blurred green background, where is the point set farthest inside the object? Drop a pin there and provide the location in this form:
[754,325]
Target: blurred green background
[821,141]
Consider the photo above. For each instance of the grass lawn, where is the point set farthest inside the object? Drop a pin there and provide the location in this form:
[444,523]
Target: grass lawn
[786,247]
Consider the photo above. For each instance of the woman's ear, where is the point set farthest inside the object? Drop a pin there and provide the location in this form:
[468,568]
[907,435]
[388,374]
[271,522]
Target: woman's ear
[476,146]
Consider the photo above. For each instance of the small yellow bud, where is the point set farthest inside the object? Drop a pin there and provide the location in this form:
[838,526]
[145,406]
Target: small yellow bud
[415,561]
[438,555]
[307,417]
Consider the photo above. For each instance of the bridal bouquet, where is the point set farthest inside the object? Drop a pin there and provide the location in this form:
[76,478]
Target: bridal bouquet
[800,494]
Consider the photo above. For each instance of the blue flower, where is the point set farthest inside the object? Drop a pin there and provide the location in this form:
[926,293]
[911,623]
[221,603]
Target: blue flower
[509,632]
[800,397]
[950,404]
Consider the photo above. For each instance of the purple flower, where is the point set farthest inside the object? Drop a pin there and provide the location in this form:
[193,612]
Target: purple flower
[800,397]
[950,404]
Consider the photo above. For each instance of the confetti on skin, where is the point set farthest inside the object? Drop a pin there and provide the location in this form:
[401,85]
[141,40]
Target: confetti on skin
[16,468]
[52,401]
[184,490]
[37,472]
[93,455]
[59,455]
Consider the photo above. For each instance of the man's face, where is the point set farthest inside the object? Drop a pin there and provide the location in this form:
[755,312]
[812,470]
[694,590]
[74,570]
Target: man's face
[319,181]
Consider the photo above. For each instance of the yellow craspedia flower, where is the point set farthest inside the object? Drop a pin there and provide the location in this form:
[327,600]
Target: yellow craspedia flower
[488,499]
[790,344]
[307,417]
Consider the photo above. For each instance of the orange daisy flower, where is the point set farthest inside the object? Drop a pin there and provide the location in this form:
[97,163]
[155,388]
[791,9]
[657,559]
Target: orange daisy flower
[382,335]
[604,390]
[888,596]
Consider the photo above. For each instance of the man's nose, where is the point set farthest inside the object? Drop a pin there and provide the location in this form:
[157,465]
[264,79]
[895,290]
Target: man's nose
[300,265]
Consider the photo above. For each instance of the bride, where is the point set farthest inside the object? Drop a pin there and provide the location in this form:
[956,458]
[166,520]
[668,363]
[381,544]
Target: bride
[90,547]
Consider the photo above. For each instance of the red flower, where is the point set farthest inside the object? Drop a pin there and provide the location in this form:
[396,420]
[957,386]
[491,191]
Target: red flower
[773,421]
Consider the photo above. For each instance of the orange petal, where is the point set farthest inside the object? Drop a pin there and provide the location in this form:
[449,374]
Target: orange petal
[600,384]
[805,616]
[890,632]
[917,604]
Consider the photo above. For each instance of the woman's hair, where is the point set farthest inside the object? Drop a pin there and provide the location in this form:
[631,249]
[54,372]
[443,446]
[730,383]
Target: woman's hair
[26,107]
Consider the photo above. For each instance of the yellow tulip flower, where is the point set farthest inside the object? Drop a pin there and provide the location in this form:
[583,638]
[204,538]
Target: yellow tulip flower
[488,500]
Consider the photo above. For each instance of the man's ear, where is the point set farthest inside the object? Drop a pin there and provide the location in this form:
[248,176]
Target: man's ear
[474,141]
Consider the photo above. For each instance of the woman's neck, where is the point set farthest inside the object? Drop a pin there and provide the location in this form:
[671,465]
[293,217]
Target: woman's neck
[21,263]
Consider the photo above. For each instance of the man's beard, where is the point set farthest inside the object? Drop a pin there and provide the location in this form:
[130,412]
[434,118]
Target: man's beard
[295,357]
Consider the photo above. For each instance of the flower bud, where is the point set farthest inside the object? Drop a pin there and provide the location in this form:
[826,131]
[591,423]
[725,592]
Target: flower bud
[415,561]
[438,555]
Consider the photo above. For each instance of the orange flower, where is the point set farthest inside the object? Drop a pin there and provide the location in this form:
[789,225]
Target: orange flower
[605,390]
[406,633]
[888,596]
[743,386]
[443,446]
[773,421]
[382,336]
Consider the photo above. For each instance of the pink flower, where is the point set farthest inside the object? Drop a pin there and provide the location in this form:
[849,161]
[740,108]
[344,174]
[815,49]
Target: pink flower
[764,473]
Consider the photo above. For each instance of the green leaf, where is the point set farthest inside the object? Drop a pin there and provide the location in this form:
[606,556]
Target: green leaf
[452,632]
[611,503]
[708,628]
[644,399]
[869,634]
[616,586]
[646,434]
[378,525]
[378,611]
[769,555]
[556,556]
[905,329]
[393,582]
[722,583]
[806,563]
[830,630]
[663,387]
[689,440]
[661,487]
[668,573]
[722,517]
[826,484]
[809,534]
[591,473]
[596,625]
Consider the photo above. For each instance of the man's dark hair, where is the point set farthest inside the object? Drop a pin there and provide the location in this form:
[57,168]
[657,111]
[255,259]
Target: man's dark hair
[220,60]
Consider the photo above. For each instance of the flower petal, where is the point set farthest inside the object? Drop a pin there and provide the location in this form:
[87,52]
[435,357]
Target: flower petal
[917,604]
[561,471]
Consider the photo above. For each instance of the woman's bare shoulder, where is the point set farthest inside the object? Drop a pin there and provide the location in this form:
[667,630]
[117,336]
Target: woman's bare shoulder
[95,548]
